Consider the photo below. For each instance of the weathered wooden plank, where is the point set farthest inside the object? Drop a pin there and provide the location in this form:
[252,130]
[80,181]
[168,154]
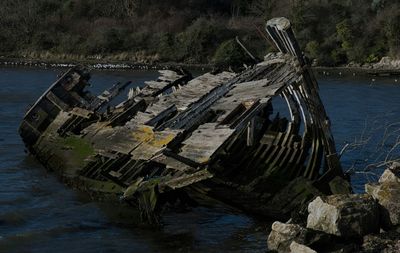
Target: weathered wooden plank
[117,139]
[57,101]
[173,164]
[187,180]
[245,92]
[81,112]
[168,75]
[152,142]
[156,84]
[204,142]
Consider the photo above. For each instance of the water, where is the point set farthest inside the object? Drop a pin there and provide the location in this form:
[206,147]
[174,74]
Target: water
[40,214]
[361,112]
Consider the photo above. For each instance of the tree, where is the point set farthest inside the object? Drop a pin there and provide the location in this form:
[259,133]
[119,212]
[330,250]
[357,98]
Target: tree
[392,32]
[230,54]
[132,6]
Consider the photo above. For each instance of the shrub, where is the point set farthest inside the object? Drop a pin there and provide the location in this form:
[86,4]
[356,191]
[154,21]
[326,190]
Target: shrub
[392,32]
[338,57]
[372,58]
[199,40]
[313,49]
[166,46]
[345,34]
[108,41]
[44,41]
[230,54]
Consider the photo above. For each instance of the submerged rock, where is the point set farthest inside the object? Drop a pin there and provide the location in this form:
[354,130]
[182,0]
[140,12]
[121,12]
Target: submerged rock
[344,215]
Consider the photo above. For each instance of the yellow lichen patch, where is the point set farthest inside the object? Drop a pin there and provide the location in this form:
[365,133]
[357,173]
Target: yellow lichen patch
[148,148]
[146,134]
[203,160]
[143,134]
[160,139]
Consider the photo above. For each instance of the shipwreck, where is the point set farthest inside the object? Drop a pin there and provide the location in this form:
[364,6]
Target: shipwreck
[184,139]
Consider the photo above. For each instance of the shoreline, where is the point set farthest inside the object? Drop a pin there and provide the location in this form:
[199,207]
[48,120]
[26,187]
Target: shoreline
[125,65]
[99,65]
[348,70]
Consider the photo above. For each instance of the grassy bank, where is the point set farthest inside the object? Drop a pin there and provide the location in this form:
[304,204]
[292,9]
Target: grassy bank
[333,33]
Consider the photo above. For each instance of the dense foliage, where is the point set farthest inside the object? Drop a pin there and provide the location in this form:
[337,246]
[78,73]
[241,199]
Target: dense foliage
[196,31]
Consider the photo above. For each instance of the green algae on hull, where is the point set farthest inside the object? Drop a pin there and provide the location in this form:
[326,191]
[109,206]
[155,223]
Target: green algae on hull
[79,147]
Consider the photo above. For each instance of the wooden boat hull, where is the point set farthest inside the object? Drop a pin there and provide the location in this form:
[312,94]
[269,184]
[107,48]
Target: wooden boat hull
[214,136]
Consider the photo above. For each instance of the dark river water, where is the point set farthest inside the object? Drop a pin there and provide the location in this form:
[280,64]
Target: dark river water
[40,214]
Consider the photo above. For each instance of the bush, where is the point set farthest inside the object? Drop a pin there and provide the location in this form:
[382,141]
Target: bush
[372,58]
[345,34]
[199,40]
[338,57]
[313,49]
[48,6]
[392,32]
[230,54]
[137,41]
[44,41]
[108,41]
[166,45]
[70,44]
[333,32]
[7,44]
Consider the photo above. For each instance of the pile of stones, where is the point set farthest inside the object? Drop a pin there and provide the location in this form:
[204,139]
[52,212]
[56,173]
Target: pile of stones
[367,222]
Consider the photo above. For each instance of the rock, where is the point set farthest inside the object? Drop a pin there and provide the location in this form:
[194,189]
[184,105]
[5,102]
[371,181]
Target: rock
[395,247]
[339,185]
[388,196]
[283,234]
[387,193]
[353,64]
[344,215]
[392,174]
[300,248]
[387,62]
[315,63]
[384,242]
